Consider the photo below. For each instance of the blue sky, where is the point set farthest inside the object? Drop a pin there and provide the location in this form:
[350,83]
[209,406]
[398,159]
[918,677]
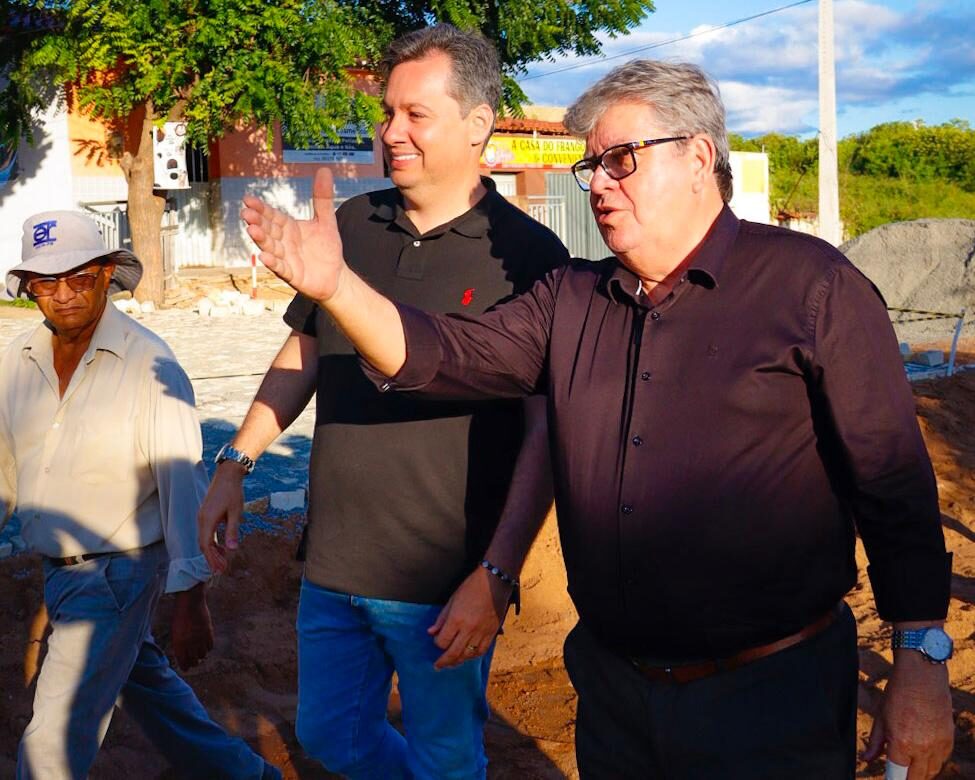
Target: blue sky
[895,60]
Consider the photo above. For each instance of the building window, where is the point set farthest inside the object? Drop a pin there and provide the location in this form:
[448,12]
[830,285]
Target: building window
[506,184]
[197,164]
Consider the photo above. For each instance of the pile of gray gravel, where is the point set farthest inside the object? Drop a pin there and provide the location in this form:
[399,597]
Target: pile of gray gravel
[926,264]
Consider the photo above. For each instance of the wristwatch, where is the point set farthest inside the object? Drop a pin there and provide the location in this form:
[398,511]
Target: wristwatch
[933,643]
[227,452]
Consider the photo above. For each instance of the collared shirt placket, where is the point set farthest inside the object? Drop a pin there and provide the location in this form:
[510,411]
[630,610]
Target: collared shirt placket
[636,500]
[55,433]
[411,263]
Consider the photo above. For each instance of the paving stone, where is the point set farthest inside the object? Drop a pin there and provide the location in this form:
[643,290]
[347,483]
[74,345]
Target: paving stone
[286,500]
[930,357]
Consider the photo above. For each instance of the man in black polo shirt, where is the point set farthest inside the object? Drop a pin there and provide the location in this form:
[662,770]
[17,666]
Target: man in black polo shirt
[406,493]
[728,408]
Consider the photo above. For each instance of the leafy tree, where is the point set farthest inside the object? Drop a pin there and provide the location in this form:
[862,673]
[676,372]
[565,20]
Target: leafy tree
[915,151]
[213,63]
[220,63]
[892,172]
[524,32]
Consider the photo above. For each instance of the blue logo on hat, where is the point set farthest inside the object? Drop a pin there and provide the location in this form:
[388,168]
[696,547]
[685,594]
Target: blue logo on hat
[42,233]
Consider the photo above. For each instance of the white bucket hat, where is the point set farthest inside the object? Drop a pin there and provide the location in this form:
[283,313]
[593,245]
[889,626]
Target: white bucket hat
[57,241]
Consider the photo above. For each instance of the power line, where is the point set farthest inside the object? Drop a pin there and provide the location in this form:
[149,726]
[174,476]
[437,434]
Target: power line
[668,42]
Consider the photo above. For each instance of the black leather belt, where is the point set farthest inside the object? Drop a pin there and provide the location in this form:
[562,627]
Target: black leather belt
[72,560]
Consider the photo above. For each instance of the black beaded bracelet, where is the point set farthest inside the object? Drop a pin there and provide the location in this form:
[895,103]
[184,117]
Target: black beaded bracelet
[501,574]
[507,579]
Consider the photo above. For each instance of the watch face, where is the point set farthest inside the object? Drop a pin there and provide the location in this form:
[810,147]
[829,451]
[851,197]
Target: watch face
[936,645]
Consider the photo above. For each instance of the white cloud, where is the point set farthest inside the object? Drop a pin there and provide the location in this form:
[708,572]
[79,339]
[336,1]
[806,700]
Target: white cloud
[882,55]
[755,109]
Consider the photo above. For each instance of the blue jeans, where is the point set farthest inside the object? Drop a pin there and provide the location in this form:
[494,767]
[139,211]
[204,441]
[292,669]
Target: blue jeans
[101,653]
[348,648]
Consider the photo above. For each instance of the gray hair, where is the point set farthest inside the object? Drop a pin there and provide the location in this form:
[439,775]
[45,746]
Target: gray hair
[475,67]
[685,99]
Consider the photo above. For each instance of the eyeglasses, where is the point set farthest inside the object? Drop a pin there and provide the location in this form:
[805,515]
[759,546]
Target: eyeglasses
[618,161]
[43,286]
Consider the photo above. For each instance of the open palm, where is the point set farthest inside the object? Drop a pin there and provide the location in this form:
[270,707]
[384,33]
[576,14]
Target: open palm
[307,254]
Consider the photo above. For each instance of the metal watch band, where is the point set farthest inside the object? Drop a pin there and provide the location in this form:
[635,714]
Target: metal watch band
[907,639]
[933,643]
[227,452]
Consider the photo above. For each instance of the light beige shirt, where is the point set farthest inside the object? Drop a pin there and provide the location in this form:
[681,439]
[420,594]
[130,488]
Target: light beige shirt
[113,465]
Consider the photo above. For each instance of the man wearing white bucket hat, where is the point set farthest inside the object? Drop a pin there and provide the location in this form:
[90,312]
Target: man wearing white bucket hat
[100,454]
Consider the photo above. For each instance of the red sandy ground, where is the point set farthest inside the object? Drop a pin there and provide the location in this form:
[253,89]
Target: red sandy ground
[248,681]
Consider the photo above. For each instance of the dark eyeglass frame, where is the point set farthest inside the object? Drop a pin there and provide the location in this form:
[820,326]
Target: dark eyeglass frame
[585,169]
[80,282]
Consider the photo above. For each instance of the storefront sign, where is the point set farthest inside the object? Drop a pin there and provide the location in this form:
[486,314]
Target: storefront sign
[505,151]
[354,146]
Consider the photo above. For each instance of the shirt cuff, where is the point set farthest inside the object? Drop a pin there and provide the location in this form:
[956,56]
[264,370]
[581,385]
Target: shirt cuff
[423,353]
[912,587]
[184,573]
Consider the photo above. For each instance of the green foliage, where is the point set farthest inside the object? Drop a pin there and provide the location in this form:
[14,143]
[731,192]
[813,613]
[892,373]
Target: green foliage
[19,303]
[868,201]
[218,62]
[211,62]
[524,32]
[892,172]
[915,152]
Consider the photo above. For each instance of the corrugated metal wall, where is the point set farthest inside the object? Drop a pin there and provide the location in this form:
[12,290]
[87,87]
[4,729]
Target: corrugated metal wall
[581,234]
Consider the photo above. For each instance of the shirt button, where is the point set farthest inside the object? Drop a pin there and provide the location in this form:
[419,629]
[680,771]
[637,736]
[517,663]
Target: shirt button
[626,509]
[56,425]
[385,387]
[416,243]
[645,376]
[655,315]
[47,469]
[637,441]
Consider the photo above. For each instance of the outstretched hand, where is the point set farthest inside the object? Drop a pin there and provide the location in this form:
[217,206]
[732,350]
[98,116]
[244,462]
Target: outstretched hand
[307,254]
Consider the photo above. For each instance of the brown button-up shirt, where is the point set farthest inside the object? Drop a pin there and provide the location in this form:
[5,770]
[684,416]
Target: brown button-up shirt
[714,453]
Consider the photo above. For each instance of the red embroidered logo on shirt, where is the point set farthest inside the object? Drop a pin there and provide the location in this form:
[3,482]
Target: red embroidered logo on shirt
[468,297]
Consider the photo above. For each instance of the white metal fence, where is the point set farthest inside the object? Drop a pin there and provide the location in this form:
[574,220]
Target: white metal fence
[550,211]
[113,222]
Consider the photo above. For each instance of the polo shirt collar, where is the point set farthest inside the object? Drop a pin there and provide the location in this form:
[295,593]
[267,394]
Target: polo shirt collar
[704,268]
[473,223]
[109,336]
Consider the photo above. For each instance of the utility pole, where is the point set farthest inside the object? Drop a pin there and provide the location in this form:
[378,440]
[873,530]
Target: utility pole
[829,190]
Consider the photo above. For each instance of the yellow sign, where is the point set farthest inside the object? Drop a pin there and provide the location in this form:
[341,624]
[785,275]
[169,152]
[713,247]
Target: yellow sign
[507,151]
[753,175]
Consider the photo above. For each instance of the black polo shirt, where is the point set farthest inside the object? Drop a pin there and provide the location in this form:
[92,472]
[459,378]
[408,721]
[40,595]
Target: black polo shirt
[714,453]
[405,493]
